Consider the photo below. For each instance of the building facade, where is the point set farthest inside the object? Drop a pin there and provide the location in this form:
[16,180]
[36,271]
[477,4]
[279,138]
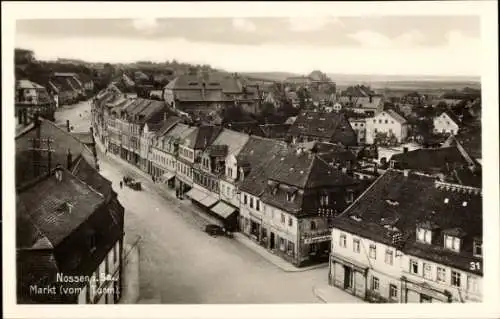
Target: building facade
[389,124]
[446,124]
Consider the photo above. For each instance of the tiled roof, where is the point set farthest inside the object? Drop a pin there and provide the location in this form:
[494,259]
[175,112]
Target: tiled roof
[88,174]
[62,83]
[235,141]
[202,136]
[275,130]
[395,115]
[27,84]
[333,126]
[453,117]
[57,208]
[405,201]
[430,161]
[167,125]
[62,142]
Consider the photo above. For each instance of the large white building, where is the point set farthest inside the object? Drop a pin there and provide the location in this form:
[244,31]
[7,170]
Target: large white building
[409,238]
[389,123]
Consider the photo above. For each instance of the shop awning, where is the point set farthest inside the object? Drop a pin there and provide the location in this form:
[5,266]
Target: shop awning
[208,201]
[196,194]
[167,176]
[223,210]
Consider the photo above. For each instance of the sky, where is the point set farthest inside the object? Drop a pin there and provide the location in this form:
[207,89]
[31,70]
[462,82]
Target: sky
[396,45]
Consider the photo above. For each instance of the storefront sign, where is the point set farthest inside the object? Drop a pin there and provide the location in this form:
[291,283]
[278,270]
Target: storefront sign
[318,239]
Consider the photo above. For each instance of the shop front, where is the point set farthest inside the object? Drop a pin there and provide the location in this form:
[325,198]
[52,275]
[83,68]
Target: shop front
[168,178]
[348,275]
[227,214]
[315,247]
[181,187]
[421,292]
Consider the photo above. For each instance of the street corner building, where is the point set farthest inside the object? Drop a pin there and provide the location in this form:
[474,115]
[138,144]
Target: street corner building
[69,229]
[288,201]
[410,238]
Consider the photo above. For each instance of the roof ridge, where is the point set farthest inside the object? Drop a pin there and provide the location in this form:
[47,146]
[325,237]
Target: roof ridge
[68,133]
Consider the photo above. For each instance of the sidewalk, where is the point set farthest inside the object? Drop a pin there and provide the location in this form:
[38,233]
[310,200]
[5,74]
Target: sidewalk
[330,294]
[270,257]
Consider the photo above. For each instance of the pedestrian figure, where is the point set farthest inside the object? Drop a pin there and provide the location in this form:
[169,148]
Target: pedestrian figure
[121,184]
[153,178]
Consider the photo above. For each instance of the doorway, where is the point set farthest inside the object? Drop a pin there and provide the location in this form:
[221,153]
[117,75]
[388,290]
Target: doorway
[347,278]
[271,241]
[425,299]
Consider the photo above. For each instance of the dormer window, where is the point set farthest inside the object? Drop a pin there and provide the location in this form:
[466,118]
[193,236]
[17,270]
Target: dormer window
[424,235]
[290,197]
[478,248]
[324,200]
[452,243]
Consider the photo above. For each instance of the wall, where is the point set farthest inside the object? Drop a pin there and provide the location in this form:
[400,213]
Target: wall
[386,273]
[460,294]
[386,124]
[443,124]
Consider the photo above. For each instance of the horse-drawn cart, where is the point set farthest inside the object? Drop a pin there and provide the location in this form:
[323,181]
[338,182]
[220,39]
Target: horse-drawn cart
[130,182]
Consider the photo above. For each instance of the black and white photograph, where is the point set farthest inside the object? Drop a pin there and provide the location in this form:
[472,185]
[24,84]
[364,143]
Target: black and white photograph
[248,158]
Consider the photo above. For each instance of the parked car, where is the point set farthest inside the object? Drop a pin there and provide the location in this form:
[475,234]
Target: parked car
[130,182]
[214,230]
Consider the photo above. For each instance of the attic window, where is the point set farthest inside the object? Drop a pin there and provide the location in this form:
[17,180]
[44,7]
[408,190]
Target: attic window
[392,202]
[356,218]
[464,204]
[424,235]
[321,129]
[275,190]
[446,200]
[301,126]
[321,118]
[309,117]
[290,197]
[452,243]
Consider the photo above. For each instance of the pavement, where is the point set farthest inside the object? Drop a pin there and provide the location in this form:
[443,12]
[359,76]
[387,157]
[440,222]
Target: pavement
[180,264]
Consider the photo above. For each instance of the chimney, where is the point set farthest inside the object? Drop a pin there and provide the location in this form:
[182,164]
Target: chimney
[69,160]
[67,126]
[203,87]
[405,149]
[406,172]
[371,98]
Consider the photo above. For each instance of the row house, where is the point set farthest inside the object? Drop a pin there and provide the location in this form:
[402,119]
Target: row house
[291,200]
[218,164]
[389,124]
[190,152]
[131,121]
[159,151]
[410,239]
[323,127]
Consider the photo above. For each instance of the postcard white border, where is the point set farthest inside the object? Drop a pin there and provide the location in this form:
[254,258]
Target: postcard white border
[489,23]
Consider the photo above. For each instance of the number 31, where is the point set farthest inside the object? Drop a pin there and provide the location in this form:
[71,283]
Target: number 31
[475,265]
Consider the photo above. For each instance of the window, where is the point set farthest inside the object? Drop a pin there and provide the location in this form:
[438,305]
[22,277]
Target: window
[257,204]
[389,257]
[455,278]
[393,291]
[230,172]
[427,271]
[452,243]
[343,241]
[282,218]
[282,244]
[313,225]
[375,130]
[290,248]
[324,200]
[478,248]
[379,121]
[251,202]
[472,284]
[290,221]
[414,267]
[375,284]
[245,199]
[355,245]
[290,197]
[440,274]
[424,235]
[386,121]
[373,251]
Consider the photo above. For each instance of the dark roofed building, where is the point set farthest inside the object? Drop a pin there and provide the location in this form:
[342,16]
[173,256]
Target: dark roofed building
[324,127]
[428,224]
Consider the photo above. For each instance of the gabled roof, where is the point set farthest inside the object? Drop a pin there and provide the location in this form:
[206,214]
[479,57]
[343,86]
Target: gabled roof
[62,142]
[27,84]
[57,208]
[396,116]
[452,117]
[405,201]
[333,126]
[235,141]
[202,136]
[167,125]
